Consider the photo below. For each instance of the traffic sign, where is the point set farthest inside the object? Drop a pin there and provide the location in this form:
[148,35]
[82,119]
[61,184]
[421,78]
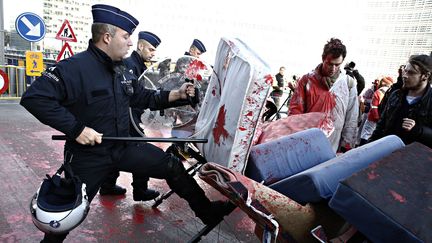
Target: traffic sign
[4,82]
[65,53]
[66,33]
[34,63]
[30,26]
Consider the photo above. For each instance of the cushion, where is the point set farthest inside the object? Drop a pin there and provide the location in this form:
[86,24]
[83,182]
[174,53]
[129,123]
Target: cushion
[280,158]
[320,181]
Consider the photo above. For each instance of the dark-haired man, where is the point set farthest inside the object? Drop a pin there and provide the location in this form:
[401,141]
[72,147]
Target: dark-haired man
[408,111]
[326,89]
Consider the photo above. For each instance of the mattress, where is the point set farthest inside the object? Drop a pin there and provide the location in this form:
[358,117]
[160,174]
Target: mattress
[391,200]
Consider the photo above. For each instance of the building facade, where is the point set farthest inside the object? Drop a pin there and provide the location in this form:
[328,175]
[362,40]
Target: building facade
[393,30]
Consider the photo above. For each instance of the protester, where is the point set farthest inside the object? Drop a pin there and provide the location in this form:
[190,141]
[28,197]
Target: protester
[373,114]
[277,92]
[354,73]
[408,112]
[326,89]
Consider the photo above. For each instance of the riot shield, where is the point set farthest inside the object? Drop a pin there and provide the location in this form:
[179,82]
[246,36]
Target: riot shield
[170,74]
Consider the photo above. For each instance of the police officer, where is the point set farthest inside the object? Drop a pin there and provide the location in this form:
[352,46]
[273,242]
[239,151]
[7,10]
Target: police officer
[146,50]
[87,96]
[195,50]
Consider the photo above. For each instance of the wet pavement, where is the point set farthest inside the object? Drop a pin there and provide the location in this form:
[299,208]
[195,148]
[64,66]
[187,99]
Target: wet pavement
[28,153]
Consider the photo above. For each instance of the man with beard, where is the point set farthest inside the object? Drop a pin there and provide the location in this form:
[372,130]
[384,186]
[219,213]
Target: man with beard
[326,89]
[408,112]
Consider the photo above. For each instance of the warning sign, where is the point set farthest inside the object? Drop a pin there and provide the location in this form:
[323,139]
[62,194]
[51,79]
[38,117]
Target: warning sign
[66,33]
[65,52]
[4,82]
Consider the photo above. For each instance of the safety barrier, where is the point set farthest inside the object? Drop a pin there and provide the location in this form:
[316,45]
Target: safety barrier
[18,81]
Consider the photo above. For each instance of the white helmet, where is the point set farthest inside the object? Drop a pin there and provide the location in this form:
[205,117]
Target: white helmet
[60,204]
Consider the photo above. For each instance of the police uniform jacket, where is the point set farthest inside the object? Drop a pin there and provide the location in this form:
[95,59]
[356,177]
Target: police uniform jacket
[89,89]
[135,63]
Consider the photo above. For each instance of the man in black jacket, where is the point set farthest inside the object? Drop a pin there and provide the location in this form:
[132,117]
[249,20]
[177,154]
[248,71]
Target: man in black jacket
[408,112]
[354,73]
[88,95]
[146,50]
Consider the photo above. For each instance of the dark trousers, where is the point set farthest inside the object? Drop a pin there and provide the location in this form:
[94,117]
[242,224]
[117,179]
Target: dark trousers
[143,160]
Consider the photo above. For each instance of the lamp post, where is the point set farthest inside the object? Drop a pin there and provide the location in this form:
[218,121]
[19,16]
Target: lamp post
[2,34]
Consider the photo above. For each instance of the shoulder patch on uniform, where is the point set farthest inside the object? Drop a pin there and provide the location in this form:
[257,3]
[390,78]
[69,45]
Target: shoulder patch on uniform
[49,73]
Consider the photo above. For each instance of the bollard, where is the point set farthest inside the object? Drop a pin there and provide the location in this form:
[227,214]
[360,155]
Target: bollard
[11,71]
[21,75]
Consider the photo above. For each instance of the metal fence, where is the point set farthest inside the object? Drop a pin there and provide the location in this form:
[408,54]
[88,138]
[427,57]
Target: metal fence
[18,81]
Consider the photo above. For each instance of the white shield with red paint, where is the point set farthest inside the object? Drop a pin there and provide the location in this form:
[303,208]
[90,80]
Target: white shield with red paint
[233,104]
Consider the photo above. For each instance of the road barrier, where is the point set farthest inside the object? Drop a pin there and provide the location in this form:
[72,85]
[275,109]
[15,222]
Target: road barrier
[18,81]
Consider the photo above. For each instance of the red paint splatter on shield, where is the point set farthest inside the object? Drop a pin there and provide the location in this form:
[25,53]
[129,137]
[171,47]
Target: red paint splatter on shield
[268,79]
[192,71]
[397,196]
[219,130]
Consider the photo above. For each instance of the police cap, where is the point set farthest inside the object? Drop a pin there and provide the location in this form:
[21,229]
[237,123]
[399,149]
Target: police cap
[111,15]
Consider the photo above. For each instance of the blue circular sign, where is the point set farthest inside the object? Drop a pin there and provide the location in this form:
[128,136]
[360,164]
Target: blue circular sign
[30,26]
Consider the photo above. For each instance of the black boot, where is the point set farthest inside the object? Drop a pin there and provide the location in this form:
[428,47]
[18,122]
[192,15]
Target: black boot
[187,188]
[144,194]
[109,186]
[141,192]
[112,190]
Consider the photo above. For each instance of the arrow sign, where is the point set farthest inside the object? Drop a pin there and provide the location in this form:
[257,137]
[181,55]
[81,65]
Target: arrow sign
[30,26]
[34,30]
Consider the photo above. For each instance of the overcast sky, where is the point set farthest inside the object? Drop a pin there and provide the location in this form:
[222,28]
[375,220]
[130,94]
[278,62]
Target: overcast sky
[284,33]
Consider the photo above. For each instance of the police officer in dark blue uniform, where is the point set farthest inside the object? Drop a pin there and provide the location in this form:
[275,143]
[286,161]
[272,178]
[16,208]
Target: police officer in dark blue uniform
[88,95]
[195,50]
[146,49]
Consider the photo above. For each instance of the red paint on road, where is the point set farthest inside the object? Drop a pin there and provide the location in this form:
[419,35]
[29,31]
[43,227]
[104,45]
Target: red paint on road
[398,197]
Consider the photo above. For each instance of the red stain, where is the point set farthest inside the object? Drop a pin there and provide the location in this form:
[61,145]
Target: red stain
[138,216]
[372,175]
[13,219]
[107,203]
[219,130]
[242,129]
[397,196]
[192,71]
[249,113]
[268,79]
